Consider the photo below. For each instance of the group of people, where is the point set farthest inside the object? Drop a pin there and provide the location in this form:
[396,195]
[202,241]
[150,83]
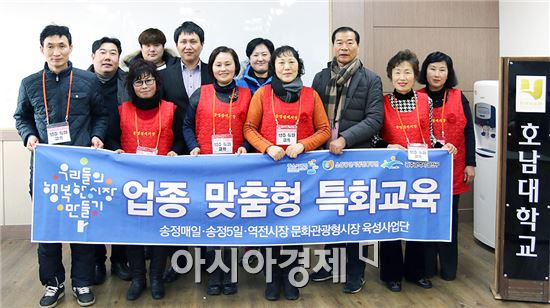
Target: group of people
[167,105]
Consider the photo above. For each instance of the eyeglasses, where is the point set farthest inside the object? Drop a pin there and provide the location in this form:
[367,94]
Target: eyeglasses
[139,83]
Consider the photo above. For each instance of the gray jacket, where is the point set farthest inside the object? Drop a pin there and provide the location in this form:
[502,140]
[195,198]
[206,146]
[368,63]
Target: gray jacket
[363,111]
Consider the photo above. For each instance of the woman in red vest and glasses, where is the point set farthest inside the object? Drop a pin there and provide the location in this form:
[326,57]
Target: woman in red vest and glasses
[407,123]
[285,119]
[214,125]
[148,126]
[452,122]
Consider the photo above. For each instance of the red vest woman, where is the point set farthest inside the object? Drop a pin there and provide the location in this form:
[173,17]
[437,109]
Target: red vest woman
[285,118]
[407,123]
[214,125]
[452,122]
[148,126]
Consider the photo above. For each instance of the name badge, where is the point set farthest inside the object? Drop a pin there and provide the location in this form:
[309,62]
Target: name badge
[222,144]
[58,133]
[146,151]
[418,152]
[286,134]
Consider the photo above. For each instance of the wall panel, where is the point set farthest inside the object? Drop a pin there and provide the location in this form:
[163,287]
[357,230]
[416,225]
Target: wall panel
[474,51]
[436,14]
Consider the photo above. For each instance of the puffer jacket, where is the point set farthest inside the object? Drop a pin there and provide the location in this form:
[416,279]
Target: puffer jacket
[87,114]
[363,112]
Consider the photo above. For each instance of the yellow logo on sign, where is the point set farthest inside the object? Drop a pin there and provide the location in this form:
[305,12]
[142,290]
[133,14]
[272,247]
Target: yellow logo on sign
[536,93]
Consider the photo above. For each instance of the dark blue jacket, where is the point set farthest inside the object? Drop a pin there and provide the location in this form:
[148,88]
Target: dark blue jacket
[87,114]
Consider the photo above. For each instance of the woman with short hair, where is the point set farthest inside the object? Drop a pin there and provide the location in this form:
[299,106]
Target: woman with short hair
[214,125]
[407,123]
[149,125]
[285,118]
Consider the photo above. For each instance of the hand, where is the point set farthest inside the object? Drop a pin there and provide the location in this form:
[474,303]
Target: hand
[196,151]
[97,143]
[469,174]
[294,150]
[337,146]
[451,148]
[171,153]
[32,141]
[397,146]
[119,151]
[241,150]
[276,152]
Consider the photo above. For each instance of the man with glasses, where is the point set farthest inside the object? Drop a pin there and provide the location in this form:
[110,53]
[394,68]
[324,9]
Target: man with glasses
[60,98]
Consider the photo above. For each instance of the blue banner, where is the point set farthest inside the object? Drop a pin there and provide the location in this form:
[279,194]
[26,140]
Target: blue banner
[97,196]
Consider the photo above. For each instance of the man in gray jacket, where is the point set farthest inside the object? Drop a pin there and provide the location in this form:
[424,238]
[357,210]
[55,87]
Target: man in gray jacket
[352,96]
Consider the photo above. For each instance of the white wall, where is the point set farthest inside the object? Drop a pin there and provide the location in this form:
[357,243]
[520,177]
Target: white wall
[303,24]
[524,28]
[16,202]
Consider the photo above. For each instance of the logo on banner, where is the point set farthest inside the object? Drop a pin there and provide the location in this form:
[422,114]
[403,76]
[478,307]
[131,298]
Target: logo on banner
[392,163]
[531,94]
[79,192]
[328,164]
[310,167]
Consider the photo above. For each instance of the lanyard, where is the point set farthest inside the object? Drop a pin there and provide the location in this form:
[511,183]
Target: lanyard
[275,115]
[68,96]
[214,111]
[443,120]
[394,101]
[137,129]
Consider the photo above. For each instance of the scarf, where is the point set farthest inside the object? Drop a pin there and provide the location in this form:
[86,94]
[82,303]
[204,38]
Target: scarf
[224,93]
[287,92]
[146,103]
[338,83]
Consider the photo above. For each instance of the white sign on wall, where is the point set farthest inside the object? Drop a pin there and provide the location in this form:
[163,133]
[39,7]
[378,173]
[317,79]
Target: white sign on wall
[531,94]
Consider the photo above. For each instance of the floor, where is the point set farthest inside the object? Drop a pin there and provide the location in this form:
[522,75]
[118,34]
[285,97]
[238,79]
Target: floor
[21,288]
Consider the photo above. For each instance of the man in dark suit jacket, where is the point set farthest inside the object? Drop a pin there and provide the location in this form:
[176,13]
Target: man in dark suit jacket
[181,79]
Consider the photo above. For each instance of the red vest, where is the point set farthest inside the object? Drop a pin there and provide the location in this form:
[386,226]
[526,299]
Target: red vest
[204,117]
[287,114]
[147,127]
[393,130]
[454,122]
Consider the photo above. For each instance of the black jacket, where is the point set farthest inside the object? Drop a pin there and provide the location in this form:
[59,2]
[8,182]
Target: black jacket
[173,88]
[363,112]
[87,114]
[114,93]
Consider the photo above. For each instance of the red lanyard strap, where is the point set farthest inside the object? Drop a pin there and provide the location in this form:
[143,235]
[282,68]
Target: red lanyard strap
[46,100]
[443,120]
[214,111]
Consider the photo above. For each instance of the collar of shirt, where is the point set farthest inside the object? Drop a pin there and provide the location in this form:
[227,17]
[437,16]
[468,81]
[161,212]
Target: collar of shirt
[184,68]
[191,78]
